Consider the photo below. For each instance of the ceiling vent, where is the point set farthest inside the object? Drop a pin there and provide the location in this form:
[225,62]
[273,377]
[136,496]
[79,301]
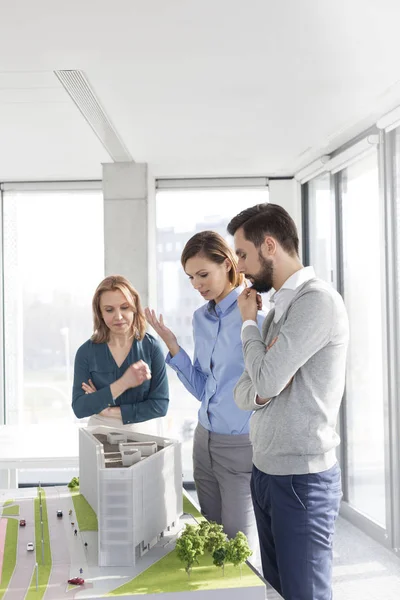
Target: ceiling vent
[77,86]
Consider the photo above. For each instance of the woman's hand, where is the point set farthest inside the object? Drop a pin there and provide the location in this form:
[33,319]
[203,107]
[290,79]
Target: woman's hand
[89,388]
[167,336]
[136,374]
[113,411]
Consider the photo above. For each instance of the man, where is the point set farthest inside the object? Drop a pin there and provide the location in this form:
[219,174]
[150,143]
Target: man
[294,381]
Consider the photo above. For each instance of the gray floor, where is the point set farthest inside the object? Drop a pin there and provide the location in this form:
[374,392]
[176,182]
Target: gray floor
[363,569]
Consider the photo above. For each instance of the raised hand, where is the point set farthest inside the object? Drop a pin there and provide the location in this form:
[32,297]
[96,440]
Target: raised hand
[167,336]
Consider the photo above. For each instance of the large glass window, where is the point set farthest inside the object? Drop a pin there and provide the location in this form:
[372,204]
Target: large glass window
[53,261]
[181,214]
[321,228]
[396,170]
[362,279]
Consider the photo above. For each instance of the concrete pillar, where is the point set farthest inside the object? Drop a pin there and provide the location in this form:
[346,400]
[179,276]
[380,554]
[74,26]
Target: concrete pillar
[130,238]
[13,475]
[287,193]
[129,226]
[8,479]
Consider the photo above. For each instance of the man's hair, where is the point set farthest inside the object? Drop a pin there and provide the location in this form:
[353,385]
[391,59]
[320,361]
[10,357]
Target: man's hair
[267,219]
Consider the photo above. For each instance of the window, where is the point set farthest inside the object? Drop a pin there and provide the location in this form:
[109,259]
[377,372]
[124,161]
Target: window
[181,214]
[321,227]
[397,201]
[53,261]
[362,281]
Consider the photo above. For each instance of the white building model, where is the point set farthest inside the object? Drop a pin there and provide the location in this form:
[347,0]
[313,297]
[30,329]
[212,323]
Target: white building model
[133,482]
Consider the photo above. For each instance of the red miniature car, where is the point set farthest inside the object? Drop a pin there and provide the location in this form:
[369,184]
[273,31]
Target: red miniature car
[22,523]
[76,581]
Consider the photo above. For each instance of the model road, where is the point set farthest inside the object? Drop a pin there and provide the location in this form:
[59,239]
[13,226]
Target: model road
[58,544]
[66,549]
[24,567]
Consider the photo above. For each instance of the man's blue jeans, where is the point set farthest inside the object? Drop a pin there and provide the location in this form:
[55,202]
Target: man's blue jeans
[295,520]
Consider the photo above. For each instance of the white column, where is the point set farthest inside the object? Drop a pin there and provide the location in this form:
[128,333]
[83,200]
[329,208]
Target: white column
[13,478]
[129,226]
[8,479]
[287,193]
[130,237]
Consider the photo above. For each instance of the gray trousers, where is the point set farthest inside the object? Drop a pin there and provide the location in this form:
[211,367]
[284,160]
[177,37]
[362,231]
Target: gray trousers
[222,466]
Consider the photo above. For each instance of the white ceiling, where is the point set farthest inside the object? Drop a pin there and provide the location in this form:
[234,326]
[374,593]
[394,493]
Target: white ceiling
[206,88]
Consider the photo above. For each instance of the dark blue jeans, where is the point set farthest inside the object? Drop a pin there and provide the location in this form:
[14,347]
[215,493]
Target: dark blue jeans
[295,517]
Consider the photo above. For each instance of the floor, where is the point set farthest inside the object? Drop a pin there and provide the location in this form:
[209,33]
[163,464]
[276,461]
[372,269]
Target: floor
[363,569]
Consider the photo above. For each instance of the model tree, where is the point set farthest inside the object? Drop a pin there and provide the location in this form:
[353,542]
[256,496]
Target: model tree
[219,558]
[204,528]
[189,547]
[215,538]
[195,539]
[238,551]
[74,483]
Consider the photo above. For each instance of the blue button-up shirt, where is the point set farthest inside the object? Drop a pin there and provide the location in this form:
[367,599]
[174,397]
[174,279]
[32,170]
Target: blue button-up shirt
[218,364]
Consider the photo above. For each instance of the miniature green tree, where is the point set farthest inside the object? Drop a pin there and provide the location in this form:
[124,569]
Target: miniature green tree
[74,483]
[186,552]
[215,538]
[190,530]
[219,557]
[189,547]
[238,551]
[204,528]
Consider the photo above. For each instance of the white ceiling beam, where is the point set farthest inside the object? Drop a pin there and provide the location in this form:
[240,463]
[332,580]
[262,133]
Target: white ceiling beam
[78,88]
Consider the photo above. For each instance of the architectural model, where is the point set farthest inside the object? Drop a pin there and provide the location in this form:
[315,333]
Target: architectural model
[133,482]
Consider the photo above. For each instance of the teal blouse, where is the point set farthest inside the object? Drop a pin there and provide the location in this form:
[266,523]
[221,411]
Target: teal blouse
[95,362]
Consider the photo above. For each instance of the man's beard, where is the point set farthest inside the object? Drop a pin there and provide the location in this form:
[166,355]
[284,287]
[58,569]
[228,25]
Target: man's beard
[262,282]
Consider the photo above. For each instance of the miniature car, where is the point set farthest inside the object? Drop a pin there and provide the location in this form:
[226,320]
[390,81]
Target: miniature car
[30,547]
[59,513]
[76,581]
[22,522]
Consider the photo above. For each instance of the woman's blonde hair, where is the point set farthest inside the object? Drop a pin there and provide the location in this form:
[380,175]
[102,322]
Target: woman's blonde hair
[212,245]
[101,332]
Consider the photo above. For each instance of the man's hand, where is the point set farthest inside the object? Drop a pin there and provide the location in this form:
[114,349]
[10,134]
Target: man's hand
[262,401]
[248,303]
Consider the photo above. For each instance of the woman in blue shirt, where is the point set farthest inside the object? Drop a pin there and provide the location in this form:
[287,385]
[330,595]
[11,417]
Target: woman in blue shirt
[222,453]
[119,376]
